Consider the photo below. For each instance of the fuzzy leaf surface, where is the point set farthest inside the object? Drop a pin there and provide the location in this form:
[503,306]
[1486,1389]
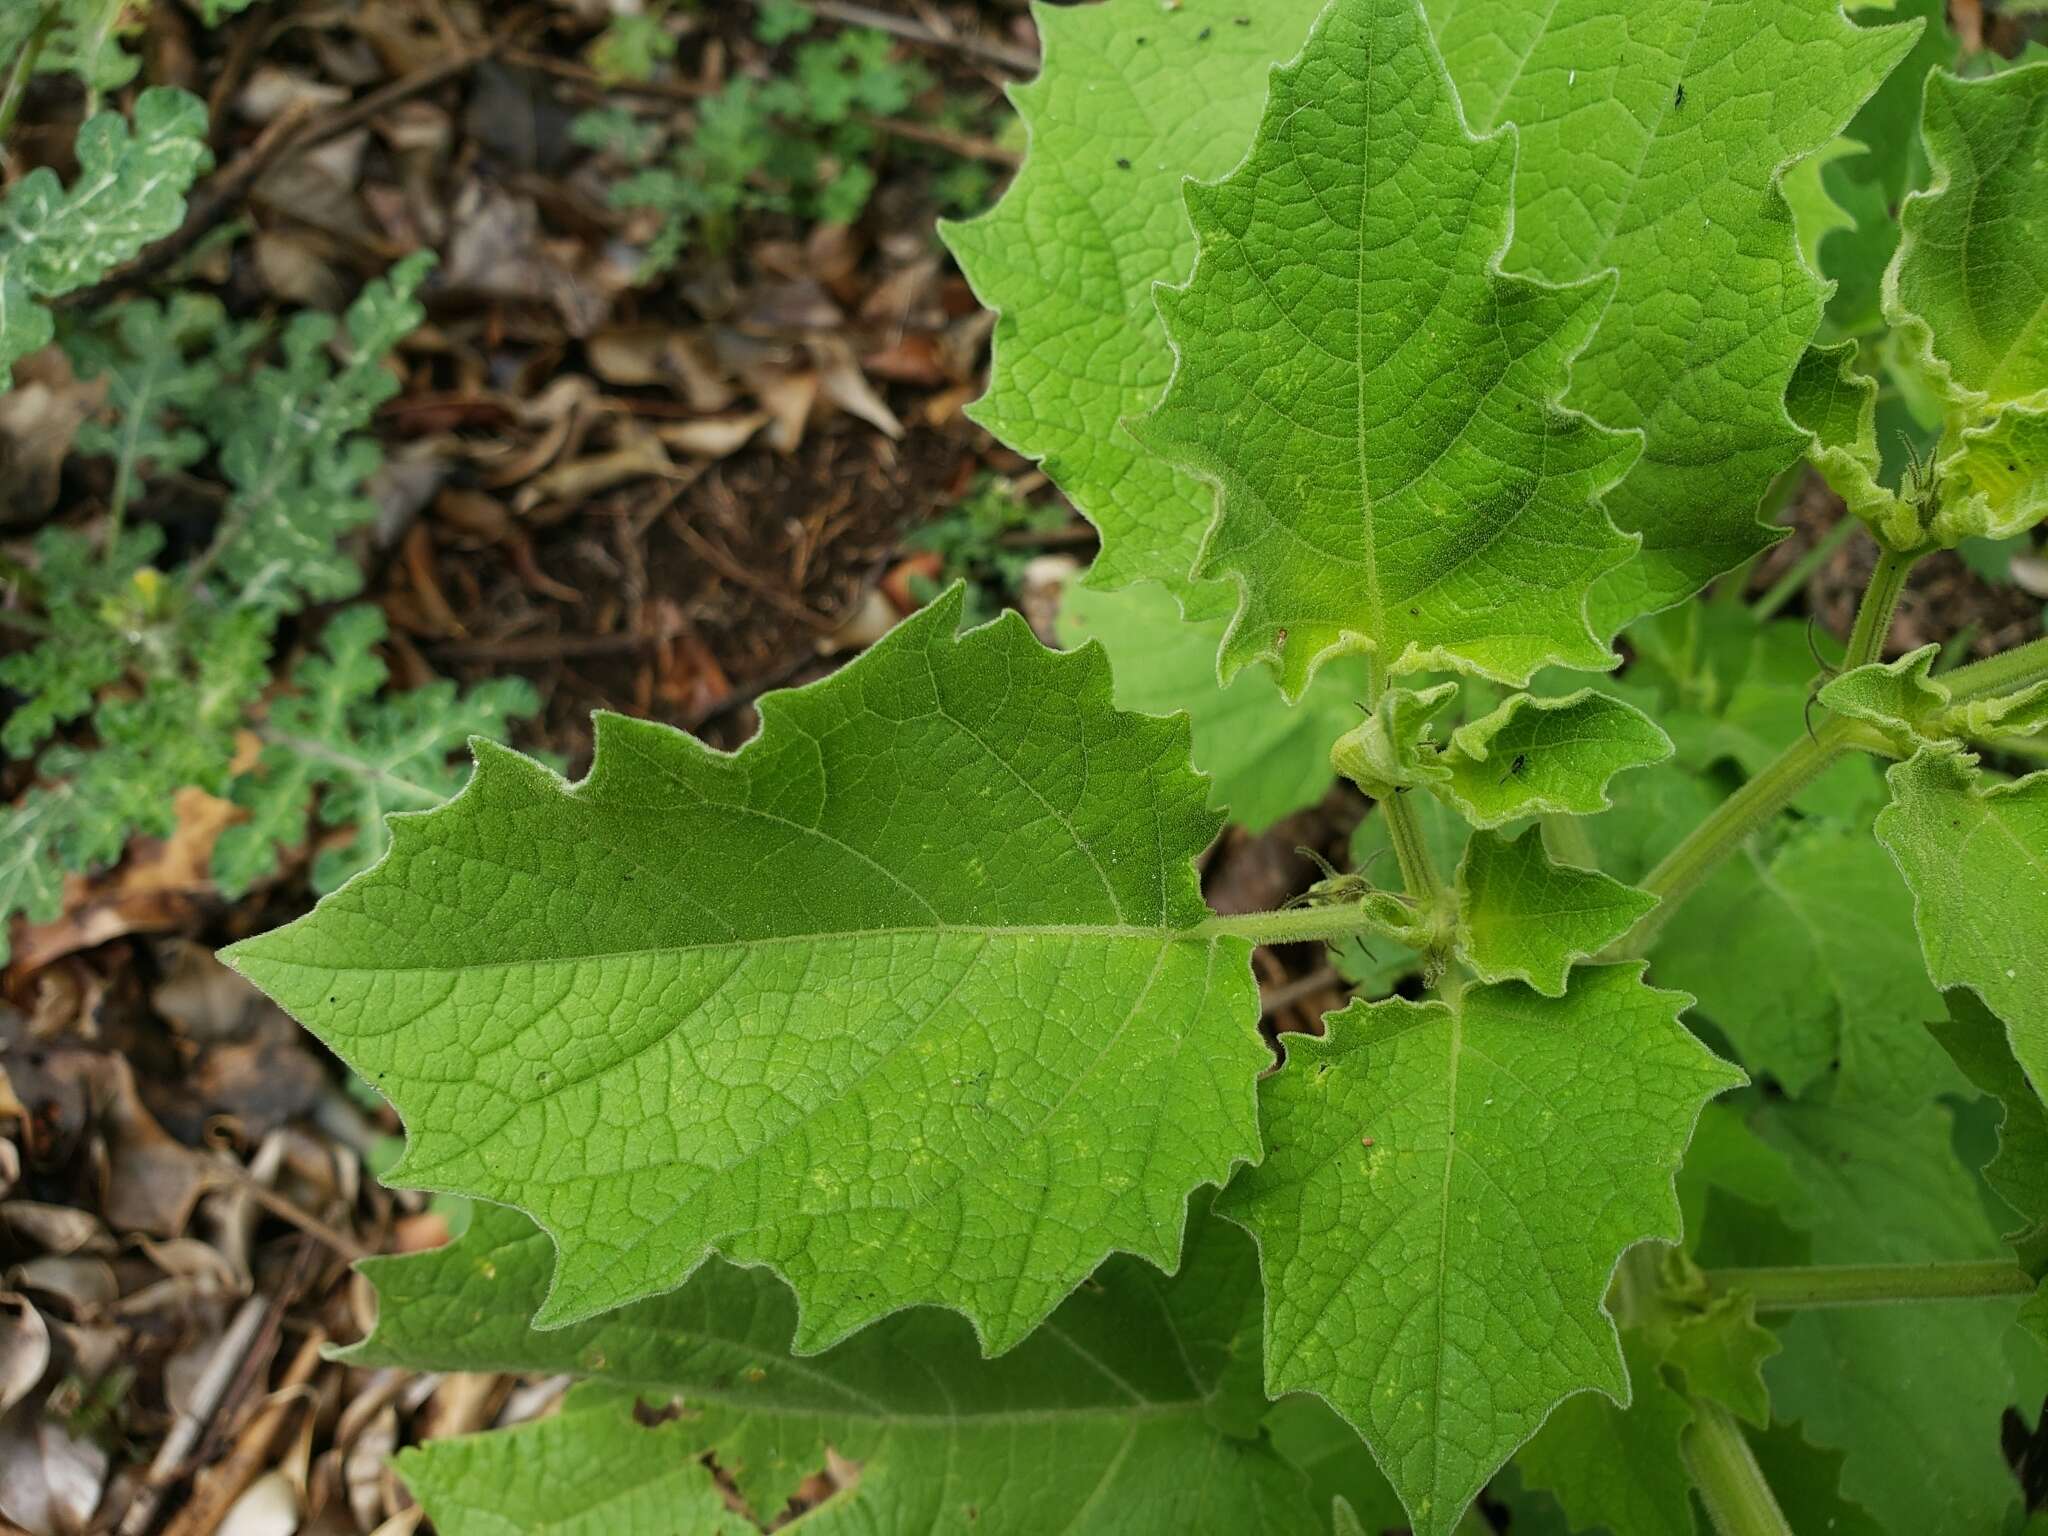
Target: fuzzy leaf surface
[1522,917]
[1975,855]
[130,190]
[1652,141]
[1132,99]
[1375,400]
[1266,758]
[296,452]
[1142,1389]
[909,1000]
[1443,1286]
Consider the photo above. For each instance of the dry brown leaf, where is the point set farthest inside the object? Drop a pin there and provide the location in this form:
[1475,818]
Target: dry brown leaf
[55,1228]
[84,1285]
[24,1348]
[50,1482]
[841,382]
[789,399]
[713,437]
[268,1507]
[153,1180]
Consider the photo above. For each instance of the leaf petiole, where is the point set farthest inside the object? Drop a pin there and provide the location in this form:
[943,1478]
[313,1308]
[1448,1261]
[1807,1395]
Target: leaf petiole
[1810,1287]
[1724,1470]
[1294,926]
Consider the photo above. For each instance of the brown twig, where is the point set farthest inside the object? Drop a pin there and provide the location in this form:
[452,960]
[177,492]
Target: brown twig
[1279,999]
[733,571]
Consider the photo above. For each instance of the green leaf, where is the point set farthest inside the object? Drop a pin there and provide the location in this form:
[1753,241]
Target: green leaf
[1446,1191]
[1834,402]
[594,1469]
[1133,98]
[1523,918]
[1266,758]
[1798,955]
[1972,852]
[1975,1040]
[164,367]
[1141,1392]
[1307,1434]
[1394,747]
[1912,1395]
[1720,1352]
[291,452]
[1537,756]
[1618,1466]
[1994,485]
[909,1000]
[1871,186]
[1652,143]
[1970,282]
[31,871]
[371,756]
[1807,1483]
[1375,399]
[130,190]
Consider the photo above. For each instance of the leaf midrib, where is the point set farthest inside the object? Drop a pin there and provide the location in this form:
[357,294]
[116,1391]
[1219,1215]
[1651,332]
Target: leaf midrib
[1105,931]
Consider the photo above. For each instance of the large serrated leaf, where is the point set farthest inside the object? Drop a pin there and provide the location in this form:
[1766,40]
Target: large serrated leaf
[1446,1191]
[1652,141]
[908,1000]
[1133,98]
[1141,1392]
[1975,854]
[1374,398]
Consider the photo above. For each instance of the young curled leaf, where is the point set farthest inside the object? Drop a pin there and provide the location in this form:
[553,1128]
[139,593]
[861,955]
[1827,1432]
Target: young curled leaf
[1540,756]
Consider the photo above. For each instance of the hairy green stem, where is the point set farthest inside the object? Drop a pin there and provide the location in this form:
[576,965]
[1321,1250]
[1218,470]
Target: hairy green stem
[1732,822]
[1879,607]
[1295,926]
[2003,673]
[1723,1468]
[1411,849]
[1803,570]
[1805,1287]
